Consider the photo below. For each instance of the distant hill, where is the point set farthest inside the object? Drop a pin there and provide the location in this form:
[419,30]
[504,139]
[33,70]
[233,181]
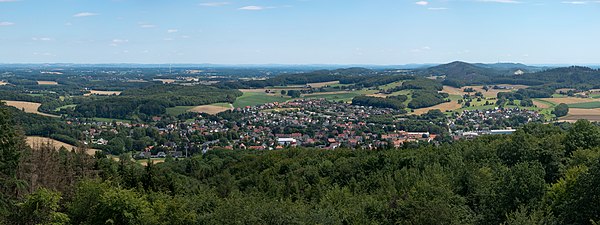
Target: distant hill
[510,68]
[461,73]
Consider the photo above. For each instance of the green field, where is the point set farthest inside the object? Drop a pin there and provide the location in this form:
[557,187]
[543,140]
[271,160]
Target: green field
[585,105]
[346,97]
[178,110]
[391,85]
[253,98]
[65,107]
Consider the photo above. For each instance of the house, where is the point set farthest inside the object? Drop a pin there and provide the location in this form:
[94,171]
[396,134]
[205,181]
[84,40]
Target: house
[257,147]
[286,141]
[101,141]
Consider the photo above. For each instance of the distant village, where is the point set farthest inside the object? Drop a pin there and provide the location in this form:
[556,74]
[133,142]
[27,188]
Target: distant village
[314,123]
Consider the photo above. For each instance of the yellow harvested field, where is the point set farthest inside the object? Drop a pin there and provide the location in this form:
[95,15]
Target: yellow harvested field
[453,105]
[34,141]
[379,95]
[47,82]
[166,81]
[582,114]
[92,92]
[540,104]
[29,107]
[570,100]
[491,93]
[322,84]
[210,109]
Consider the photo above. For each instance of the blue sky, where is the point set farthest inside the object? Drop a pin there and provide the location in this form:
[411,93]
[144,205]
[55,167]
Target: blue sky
[384,32]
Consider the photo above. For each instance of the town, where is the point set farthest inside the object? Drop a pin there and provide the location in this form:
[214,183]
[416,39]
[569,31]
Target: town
[317,123]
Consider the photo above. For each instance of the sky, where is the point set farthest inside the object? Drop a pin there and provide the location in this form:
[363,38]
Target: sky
[379,32]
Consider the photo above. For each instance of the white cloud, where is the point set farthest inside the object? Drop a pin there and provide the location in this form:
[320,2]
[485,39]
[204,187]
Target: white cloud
[213,4]
[147,26]
[422,49]
[501,1]
[9,0]
[423,3]
[172,31]
[4,24]
[575,2]
[85,14]
[168,39]
[252,7]
[117,42]
[41,39]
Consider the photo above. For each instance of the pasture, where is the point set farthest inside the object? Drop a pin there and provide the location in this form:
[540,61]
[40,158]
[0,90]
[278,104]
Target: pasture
[585,105]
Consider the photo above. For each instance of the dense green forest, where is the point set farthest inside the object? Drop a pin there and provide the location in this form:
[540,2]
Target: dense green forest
[542,174]
[359,77]
[152,101]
